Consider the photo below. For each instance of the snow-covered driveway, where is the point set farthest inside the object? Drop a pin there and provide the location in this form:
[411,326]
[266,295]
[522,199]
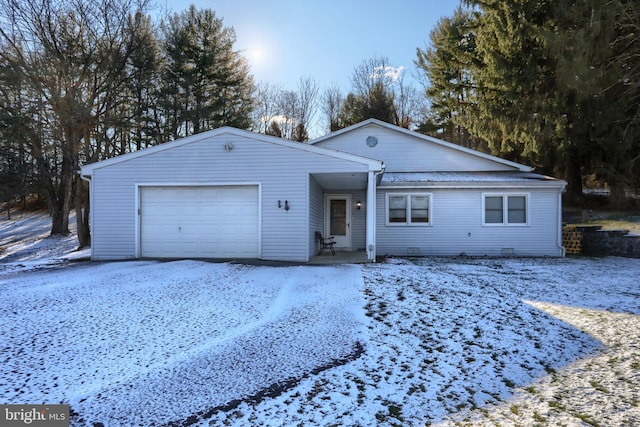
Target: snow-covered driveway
[142,343]
[430,341]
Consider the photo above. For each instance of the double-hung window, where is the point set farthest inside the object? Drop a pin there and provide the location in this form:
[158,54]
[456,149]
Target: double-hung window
[505,209]
[408,209]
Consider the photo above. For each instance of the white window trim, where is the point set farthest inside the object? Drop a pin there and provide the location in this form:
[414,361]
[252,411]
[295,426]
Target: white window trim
[505,210]
[408,223]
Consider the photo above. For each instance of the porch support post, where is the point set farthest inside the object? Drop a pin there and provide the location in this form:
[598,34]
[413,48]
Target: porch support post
[371,217]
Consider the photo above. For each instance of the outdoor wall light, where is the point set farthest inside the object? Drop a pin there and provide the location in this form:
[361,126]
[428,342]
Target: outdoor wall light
[286,205]
[358,204]
[228,147]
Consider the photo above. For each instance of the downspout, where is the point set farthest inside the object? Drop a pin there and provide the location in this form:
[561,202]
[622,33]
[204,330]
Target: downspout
[563,250]
[371,209]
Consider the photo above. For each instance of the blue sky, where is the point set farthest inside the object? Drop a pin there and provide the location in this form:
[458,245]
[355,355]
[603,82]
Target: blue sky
[285,40]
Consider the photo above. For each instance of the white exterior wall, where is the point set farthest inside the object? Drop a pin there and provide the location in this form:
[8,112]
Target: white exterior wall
[282,173]
[358,220]
[456,226]
[316,214]
[406,153]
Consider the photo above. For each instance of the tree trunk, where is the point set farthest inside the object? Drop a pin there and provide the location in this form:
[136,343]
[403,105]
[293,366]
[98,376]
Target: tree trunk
[617,196]
[61,205]
[82,216]
[59,224]
[574,178]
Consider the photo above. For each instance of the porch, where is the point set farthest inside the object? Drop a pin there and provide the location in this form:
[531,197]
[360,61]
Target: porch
[342,205]
[356,257]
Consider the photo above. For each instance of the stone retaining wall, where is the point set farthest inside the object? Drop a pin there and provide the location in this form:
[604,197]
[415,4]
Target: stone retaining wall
[597,242]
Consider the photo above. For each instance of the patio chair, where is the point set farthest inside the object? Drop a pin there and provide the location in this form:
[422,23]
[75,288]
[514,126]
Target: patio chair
[325,243]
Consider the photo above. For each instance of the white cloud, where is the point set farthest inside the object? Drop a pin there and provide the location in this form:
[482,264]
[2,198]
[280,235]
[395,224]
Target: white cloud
[387,71]
[279,118]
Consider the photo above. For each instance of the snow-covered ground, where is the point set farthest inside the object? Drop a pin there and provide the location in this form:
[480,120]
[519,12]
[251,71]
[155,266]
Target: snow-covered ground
[25,243]
[427,341]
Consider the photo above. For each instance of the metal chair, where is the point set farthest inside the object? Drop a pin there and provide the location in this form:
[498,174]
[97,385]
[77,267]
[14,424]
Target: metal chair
[325,243]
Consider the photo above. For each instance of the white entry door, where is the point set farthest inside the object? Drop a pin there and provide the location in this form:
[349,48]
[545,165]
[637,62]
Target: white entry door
[338,219]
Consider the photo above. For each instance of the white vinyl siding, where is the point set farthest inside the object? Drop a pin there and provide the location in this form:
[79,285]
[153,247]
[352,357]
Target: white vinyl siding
[316,214]
[505,209]
[408,209]
[281,171]
[406,153]
[358,219]
[457,227]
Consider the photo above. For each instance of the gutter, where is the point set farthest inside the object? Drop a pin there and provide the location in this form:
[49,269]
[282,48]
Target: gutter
[373,191]
[563,250]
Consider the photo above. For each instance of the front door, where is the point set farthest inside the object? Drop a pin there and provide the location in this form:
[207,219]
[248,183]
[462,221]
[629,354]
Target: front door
[338,220]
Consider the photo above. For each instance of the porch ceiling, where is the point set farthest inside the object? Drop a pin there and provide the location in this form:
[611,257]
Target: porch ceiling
[342,181]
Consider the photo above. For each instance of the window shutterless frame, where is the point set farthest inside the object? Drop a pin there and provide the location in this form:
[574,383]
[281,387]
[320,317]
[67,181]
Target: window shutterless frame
[409,209]
[505,209]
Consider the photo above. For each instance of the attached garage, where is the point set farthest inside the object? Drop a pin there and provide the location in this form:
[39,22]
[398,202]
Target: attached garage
[221,194]
[199,221]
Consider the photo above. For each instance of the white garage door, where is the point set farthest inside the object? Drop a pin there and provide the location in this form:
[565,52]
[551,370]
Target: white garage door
[199,222]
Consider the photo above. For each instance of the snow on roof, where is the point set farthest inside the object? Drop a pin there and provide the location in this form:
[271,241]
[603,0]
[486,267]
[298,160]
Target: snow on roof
[390,178]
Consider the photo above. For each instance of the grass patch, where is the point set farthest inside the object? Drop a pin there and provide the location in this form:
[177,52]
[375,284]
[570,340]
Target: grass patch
[556,405]
[539,418]
[393,411]
[586,419]
[508,382]
[599,387]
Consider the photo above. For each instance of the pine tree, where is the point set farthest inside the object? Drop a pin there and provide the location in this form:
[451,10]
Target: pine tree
[208,83]
[546,83]
[447,66]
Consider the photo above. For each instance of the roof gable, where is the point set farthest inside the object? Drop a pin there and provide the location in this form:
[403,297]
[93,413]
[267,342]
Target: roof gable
[372,164]
[403,150]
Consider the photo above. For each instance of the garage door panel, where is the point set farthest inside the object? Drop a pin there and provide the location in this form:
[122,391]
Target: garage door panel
[193,222]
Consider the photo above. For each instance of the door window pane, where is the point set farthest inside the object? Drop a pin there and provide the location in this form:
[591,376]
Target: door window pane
[338,220]
[397,209]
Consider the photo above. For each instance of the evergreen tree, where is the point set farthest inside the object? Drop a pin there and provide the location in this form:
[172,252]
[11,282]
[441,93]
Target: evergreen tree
[543,83]
[593,75]
[447,66]
[143,94]
[208,83]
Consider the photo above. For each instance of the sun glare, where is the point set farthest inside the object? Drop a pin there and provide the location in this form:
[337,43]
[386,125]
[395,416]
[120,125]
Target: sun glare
[256,55]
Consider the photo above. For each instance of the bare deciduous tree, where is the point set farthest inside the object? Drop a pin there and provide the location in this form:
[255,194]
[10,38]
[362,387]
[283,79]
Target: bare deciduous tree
[70,56]
[265,111]
[332,101]
[290,112]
